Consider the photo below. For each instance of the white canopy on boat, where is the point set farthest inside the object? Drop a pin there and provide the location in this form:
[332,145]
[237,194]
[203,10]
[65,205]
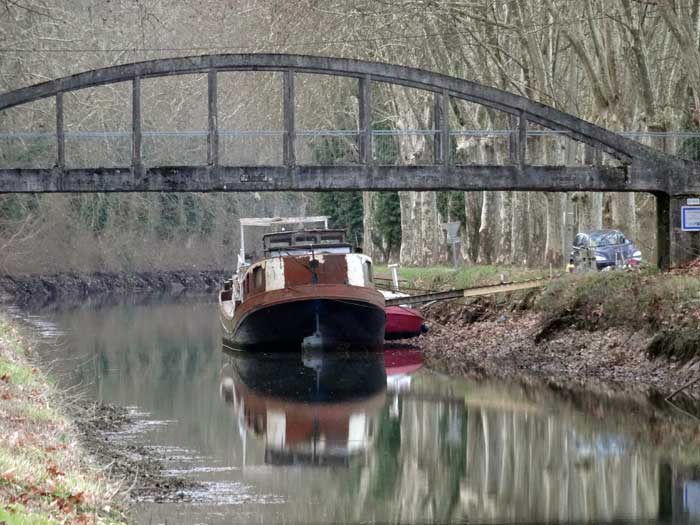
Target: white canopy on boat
[273,221]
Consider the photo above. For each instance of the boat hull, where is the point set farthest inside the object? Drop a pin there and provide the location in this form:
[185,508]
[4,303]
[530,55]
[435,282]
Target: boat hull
[324,322]
[403,323]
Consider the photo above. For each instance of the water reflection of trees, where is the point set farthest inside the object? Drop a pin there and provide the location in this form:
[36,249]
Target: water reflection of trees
[503,460]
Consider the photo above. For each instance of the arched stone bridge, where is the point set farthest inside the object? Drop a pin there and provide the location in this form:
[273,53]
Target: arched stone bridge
[639,168]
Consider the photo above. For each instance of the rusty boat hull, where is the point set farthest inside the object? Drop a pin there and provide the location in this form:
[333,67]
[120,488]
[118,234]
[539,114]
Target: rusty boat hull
[310,290]
[330,316]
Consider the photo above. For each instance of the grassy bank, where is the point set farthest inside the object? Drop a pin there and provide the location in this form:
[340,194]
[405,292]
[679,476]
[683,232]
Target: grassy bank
[444,277]
[638,329]
[45,475]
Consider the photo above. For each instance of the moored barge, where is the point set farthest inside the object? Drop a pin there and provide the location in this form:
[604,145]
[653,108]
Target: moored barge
[308,289]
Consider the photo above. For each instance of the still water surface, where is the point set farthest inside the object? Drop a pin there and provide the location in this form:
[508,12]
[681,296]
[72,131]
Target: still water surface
[307,438]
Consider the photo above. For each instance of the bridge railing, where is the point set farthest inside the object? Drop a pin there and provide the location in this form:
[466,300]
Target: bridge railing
[251,148]
[92,149]
[164,148]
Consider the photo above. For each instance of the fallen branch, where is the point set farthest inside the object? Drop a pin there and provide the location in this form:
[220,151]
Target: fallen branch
[682,410]
[678,391]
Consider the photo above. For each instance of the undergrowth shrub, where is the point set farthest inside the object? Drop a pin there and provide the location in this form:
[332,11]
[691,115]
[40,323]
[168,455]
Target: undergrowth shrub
[682,344]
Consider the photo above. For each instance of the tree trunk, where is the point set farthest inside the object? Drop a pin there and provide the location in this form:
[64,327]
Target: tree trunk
[472,213]
[519,227]
[505,207]
[368,245]
[410,229]
[553,252]
[488,228]
[420,246]
[431,233]
[624,217]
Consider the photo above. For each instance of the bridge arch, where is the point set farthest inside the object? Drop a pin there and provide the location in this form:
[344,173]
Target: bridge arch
[641,168]
[525,109]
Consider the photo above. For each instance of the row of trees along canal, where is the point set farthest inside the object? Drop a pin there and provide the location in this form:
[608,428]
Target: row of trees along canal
[625,65]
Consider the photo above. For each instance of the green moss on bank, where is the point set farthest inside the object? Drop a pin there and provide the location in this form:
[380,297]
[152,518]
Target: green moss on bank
[45,475]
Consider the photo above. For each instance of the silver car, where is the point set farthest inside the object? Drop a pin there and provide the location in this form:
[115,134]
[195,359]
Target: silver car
[610,248]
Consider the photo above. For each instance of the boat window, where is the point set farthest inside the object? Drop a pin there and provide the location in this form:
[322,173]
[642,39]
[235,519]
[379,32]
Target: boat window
[279,243]
[311,239]
[331,239]
[258,278]
[367,270]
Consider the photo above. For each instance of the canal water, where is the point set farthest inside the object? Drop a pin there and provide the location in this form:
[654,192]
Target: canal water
[314,438]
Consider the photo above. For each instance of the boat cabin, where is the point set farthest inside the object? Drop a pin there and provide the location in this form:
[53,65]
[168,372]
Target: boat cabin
[301,242]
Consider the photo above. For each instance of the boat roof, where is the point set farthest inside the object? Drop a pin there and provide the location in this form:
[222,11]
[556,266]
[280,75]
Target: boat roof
[273,221]
[330,232]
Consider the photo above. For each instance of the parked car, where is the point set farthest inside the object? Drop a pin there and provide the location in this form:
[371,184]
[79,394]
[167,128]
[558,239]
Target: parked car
[609,247]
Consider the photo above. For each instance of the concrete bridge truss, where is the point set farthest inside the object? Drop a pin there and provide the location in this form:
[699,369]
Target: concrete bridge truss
[638,167]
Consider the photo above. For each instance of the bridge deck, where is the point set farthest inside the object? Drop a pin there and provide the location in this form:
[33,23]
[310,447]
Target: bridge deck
[322,178]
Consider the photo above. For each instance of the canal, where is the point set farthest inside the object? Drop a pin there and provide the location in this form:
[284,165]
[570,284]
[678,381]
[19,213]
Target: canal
[313,438]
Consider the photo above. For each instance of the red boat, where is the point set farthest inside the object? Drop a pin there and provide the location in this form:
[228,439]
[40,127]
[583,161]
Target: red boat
[402,322]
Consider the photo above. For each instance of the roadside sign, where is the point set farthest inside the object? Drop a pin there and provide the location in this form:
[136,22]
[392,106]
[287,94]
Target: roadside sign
[693,201]
[452,232]
[690,218]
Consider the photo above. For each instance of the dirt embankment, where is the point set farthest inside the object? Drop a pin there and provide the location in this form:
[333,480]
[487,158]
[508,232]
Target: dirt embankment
[43,289]
[622,331]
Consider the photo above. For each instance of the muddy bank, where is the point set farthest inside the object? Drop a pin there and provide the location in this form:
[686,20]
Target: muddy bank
[103,430]
[489,341]
[42,289]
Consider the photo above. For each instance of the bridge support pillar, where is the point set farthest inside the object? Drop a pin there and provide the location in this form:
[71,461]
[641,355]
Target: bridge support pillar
[663,230]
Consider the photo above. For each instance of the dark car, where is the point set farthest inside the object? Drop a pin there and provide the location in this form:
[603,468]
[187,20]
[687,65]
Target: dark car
[609,248]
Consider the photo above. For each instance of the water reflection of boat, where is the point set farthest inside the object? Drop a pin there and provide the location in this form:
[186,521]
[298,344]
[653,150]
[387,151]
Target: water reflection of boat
[400,363]
[320,409]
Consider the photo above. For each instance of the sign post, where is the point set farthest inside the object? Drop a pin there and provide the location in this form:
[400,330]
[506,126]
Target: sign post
[453,239]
